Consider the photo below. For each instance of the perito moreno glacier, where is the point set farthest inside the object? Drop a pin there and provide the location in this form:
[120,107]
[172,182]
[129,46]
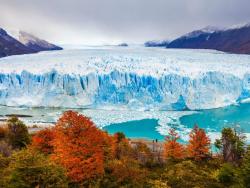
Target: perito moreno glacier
[134,78]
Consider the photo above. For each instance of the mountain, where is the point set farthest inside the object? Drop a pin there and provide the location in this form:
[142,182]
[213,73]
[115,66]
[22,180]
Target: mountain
[35,43]
[156,43]
[11,46]
[232,40]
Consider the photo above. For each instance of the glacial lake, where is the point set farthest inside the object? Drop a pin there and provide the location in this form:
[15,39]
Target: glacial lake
[146,124]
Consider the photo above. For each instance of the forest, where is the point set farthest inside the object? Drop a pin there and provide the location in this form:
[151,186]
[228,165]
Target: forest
[75,153]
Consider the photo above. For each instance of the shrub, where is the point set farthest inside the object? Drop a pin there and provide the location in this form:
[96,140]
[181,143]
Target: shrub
[3,132]
[18,135]
[29,168]
[245,170]
[227,174]
[5,149]
[188,174]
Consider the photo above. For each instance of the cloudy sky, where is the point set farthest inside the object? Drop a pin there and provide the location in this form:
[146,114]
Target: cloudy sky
[114,21]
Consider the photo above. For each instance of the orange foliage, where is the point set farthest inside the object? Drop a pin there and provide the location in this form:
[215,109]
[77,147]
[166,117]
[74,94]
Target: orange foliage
[79,147]
[108,146]
[42,141]
[199,144]
[3,132]
[173,149]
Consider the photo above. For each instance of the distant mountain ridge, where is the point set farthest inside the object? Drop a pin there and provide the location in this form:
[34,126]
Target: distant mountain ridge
[232,40]
[27,44]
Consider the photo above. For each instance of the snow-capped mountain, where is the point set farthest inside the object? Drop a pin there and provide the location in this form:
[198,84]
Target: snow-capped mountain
[197,33]
[10,46]
[135,78]
[35,43]
[233,40]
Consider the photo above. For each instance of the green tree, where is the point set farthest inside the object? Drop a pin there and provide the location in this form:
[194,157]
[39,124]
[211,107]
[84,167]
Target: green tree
[18,135]
[228,175]
[231,144]
[29,168]
[245,169]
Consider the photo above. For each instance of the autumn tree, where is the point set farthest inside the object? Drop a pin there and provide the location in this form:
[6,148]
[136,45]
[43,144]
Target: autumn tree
[78,146]
[199,144]
[42,140]
[18,135]
[173,149]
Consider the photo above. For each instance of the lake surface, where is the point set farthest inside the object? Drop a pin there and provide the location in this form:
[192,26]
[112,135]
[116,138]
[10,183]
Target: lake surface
[212,121]
[147,124]
[145,128]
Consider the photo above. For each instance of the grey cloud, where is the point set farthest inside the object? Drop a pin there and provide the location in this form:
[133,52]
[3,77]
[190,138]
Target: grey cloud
[105,21]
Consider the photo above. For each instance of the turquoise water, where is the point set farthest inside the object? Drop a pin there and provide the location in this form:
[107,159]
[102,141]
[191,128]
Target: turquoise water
[211,120]
[216,119]
[145,128]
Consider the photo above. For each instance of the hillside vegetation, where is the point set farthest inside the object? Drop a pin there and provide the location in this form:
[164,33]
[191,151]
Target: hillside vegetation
[75,153]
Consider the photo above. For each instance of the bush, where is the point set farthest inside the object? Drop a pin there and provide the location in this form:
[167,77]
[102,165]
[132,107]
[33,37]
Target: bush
[189,174]
[125,172]
[18,135]
[227,174]
[245,170]
[5,149]
[3,132]
[29,168]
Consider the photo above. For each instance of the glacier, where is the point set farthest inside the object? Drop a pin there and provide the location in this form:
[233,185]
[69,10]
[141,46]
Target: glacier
[133,78]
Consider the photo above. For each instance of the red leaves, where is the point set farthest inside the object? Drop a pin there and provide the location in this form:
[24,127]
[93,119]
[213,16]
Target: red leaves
[173,149]
[42,141]
[78,146]
[199,144]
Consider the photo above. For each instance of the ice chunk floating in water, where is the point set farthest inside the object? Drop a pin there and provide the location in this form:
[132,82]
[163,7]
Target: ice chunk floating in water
[136,78]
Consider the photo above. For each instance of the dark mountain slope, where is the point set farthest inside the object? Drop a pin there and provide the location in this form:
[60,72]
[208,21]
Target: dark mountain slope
[235,40]
[11,46]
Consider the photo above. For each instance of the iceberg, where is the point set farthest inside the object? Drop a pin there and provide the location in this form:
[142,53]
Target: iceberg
[135,78]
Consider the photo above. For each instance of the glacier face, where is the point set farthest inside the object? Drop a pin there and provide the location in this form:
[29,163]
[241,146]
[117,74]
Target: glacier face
[134,78]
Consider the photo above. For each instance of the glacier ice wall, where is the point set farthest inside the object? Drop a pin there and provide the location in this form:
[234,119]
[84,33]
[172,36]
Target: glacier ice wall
[134,78]
[171,91]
